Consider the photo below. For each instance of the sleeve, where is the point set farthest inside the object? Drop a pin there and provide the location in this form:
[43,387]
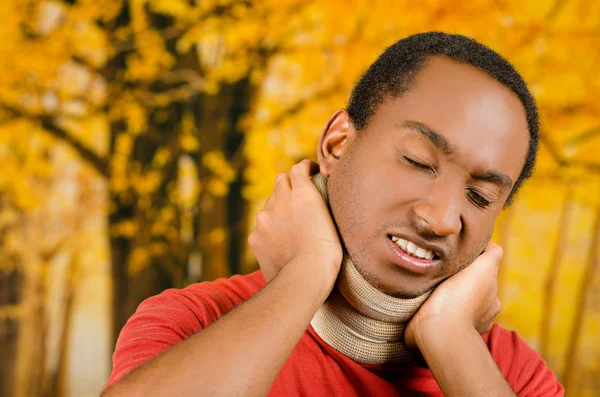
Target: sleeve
[174,315]
[158,323]
[522,366]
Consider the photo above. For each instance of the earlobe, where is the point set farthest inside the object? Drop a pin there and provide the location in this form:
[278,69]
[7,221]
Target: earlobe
[333,143]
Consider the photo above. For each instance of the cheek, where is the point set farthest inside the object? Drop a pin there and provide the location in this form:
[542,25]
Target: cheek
[381,194]
[398,194]
[478,231]
[361,199]
[348,204]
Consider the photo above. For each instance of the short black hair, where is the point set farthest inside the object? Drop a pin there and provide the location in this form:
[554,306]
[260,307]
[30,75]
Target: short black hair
[393,73]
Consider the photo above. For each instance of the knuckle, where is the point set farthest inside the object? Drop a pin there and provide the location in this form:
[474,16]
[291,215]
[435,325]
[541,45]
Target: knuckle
[280,177]
[261,217]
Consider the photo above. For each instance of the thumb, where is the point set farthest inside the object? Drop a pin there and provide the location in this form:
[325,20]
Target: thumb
[494,250]
[494,253]
[485,263]
[301,172]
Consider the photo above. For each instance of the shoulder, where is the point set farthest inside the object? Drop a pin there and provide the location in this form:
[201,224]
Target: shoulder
[200,304]
[176,314]
[521,365]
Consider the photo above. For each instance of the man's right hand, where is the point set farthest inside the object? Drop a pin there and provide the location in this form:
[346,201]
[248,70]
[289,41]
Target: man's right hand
[245,350]
[295,228]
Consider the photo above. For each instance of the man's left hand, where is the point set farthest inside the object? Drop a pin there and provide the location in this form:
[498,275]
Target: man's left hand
[468,299]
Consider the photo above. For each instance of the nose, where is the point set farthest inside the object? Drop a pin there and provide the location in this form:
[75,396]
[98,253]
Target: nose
[440,214]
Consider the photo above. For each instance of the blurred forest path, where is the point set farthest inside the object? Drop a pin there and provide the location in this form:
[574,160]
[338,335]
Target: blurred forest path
[138,138]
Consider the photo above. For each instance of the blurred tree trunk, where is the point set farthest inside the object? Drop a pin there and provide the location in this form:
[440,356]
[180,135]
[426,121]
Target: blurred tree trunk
[9,298]
[584,298]
[218,117]
[29,366]
[237,207]
[551,282]
[217,122]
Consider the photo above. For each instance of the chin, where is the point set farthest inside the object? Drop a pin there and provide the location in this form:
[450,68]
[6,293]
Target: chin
[399,284]
[406,293]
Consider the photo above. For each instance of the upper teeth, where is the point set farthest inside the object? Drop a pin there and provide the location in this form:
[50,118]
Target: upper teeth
[413,249]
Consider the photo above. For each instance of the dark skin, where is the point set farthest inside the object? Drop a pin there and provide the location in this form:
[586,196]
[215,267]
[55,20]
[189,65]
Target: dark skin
[374,190]
[446,189]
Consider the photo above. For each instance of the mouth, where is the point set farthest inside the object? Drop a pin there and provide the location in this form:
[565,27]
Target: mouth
[411,256]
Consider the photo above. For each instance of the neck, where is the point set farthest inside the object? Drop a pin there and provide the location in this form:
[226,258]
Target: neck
[360,321]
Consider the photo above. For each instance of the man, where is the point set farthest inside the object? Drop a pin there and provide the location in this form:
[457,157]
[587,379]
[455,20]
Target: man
[438,136]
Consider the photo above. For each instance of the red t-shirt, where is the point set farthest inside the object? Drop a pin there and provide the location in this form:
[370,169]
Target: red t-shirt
[313,368]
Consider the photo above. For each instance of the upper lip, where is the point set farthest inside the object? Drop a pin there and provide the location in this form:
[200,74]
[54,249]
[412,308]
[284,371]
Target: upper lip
[437,249]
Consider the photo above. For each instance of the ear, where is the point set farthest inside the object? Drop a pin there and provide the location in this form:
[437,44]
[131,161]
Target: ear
[335,140]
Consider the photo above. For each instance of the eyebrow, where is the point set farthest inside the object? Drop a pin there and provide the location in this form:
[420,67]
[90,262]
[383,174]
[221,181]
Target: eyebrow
[438,140]
[495,177]
[442,144]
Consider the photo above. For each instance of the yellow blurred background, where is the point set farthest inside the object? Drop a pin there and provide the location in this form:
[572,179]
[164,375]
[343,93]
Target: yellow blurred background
[138,138]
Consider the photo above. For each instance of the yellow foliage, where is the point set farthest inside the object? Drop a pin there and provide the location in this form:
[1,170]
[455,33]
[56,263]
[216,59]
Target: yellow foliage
[135,115]
[188,139]
[217,187]
[161,157]
[138,260]
[216,162]
[127,228]
[127,92]
[175,8]
[188,184]
[189,143]
[217,236]
[157,249]
[147,183]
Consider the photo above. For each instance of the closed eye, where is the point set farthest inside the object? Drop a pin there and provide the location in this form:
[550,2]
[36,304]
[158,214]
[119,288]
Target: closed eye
[418,164]
[477,198]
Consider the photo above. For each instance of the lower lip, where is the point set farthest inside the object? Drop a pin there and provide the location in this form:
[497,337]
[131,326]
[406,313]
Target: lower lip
[408,262]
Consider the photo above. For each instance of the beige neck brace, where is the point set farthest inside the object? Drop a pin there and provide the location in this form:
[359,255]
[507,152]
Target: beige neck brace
[359,321]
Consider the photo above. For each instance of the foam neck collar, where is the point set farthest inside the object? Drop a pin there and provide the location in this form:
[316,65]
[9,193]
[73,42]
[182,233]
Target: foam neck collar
[360,321]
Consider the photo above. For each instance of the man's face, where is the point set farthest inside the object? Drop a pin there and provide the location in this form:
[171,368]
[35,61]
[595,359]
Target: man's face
[433,168]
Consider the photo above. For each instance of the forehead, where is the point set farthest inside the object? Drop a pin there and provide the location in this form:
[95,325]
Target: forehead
[482,118]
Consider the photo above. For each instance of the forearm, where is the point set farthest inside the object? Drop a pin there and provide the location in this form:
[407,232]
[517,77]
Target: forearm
[461,362]
[242,353]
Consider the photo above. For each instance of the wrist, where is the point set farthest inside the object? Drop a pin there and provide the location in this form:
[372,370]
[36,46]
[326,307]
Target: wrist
[429,332]
[312,276]
[459,360]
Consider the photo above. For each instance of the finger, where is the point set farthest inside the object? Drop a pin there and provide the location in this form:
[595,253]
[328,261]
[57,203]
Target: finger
[484,266]
[270,201]
[282,183]
[489,258]
[495,252]
[497,307]
[301,172]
